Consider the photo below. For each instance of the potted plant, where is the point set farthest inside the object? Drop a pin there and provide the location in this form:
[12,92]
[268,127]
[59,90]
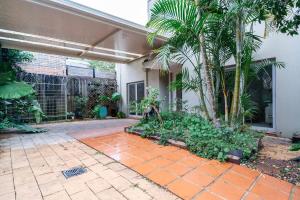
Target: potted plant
[104,104]
[80,104]
[71,115]
[115,98]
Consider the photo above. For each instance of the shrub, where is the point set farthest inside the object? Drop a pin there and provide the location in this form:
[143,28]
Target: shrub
[95,111]
[201,137]
[115,97]
[295,147]
[121,115]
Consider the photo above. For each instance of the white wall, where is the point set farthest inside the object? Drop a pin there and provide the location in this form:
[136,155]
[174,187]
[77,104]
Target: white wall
[127,73]
[287,91]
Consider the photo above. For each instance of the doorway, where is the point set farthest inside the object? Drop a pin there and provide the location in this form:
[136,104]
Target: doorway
[262,94]
[135,94]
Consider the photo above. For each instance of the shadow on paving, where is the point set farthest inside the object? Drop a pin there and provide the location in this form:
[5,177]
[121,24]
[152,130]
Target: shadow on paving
[89,128]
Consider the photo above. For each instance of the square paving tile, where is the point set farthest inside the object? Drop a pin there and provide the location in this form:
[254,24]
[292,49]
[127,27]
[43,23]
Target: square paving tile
[184,189]
[178,168]
[267,192]
[145,168]
[198,178]
[162,177]
[225,190]
[207,196]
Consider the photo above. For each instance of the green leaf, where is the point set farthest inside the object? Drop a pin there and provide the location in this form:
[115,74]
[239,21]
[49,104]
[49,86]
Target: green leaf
[15,90]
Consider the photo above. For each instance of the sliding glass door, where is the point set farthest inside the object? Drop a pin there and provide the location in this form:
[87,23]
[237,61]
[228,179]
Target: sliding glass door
[135,94]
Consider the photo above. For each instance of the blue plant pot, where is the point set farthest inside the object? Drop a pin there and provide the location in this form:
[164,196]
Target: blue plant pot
[103,112]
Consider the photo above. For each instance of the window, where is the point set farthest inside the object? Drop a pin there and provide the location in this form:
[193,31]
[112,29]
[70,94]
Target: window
[135,94]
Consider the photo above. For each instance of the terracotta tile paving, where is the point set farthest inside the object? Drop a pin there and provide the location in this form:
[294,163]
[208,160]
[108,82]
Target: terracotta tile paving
[31,165]
[189,176]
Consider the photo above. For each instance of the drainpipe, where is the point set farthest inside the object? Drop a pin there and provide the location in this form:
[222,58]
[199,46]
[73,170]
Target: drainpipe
[147,79]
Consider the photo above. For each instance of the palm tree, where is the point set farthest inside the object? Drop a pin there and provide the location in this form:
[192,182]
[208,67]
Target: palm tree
[183,22]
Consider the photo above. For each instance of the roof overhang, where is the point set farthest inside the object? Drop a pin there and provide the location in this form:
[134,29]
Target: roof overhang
[66,28]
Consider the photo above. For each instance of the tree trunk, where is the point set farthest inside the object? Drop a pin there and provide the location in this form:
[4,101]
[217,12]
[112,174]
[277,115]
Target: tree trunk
[225,95]
[236,91]
[206,70]
[203,102]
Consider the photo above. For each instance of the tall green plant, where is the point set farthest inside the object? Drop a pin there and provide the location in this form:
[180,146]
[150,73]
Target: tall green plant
[209,33]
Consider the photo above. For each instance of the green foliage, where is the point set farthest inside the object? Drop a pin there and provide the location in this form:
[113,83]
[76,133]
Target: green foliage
[18,94]
[95,111]
[80,102]
[115,97]
[151,100]
[36,110]
[201,137]
[295,147]
[102,66]
[222,30]
[14,56]
[104,100]
[121,115]
[285,14]
[15,90]
[7,123]
[10,88]
[80,106]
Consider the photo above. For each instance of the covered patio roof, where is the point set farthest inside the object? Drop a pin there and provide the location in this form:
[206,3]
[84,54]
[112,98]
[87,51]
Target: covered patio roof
[66,28]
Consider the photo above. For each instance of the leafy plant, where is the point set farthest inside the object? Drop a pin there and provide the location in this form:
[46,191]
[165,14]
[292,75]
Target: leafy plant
[121,115]
[295,147]
[80,106]
[70,115]
[200,135]
[80,102]
[36,110]
[151,102]
[104,100]
[115,97]
[16,94]
[204,35]
[95,111]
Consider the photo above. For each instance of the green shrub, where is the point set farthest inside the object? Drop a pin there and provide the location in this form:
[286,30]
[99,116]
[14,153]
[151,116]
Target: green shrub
[295,147]
[201,137]
[121,115]
[115,97]
[95,111]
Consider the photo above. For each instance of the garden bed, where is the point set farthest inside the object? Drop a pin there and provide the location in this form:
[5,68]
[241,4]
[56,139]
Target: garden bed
[270,155]
[276,159]
[199,136]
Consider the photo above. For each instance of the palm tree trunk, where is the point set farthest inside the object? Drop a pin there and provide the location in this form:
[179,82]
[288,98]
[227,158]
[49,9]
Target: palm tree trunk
[225,95]
[206,69]
[201,94]
[237,82]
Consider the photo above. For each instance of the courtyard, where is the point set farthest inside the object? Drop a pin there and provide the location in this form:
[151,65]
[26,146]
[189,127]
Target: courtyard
[121,166]
[196,101]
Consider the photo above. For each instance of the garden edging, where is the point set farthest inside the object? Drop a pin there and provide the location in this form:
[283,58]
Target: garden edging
[231,158]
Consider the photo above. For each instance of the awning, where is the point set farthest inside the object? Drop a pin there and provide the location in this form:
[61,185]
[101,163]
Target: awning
[66,28]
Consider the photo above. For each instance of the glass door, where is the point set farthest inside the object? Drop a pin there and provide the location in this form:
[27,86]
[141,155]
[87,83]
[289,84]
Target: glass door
[135,94]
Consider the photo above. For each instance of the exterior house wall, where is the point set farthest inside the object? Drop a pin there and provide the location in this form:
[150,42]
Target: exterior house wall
[135,72]
[287,82]
[285,49]
[127,73]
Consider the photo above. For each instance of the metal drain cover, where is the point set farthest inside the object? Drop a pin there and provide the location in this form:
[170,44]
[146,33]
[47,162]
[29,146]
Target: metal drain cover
[74,172]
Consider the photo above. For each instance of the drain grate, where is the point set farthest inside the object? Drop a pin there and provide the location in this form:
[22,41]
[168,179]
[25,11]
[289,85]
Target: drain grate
[74,172]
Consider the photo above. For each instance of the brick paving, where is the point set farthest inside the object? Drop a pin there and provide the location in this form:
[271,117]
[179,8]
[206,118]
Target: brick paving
[189,176]
[31,165]
[120,166]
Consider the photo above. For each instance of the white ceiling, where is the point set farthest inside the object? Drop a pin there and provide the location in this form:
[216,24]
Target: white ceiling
[66,28]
